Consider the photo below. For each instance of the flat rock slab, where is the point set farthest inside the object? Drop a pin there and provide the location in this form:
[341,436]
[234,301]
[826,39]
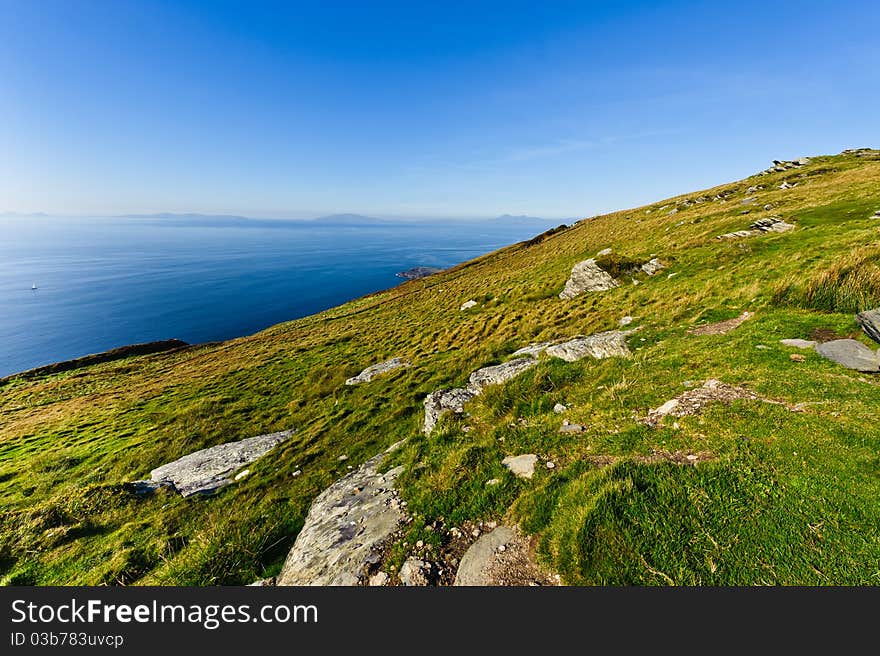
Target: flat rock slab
[601,345]
[721,327]
[500,373]
[870,322]
[522,466]
[345,529]
[799,343]
[205,471]
[377,369]
[587,276]
[850,354]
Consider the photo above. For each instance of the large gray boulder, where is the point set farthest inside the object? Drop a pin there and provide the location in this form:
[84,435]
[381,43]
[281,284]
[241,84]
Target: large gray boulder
[205,471]
[870,322]
[587,276]
[345,529]
[851,354]
[500,373]
[440,402]
[601,345]
[375,370]
[477,561]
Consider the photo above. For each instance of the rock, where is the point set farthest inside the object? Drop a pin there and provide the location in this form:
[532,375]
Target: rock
[476,561]
[493,481]
[625,321]
[205,471]
[798,343]
[768,207]
[440,402]
[522,466]
[342,458]
[786,185]
[242,474]
[371,372]
[870,323]
[467,305]
[378,579]
[652,266]
[571,428]
[797,357]
[533,350]
[604,252]
[851,354]
[748,201]
[559,408]
[346,527]
[876,215]
[550,464]
[414,572]
[586,276]
[736,235]
[771,224]
[418,272]
[262,583]
[601,345]
[499,373]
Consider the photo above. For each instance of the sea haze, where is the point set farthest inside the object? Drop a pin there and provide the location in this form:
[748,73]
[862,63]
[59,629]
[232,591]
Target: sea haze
[108,282]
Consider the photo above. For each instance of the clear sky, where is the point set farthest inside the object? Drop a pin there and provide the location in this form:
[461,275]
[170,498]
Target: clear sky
[295,109]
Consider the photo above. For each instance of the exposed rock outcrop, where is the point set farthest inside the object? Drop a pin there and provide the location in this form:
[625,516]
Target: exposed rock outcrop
[346,527]
[870,322]
[652,266]
[418,272]
[440,402]
[205,471]
[377,369]
[759,227]
[609,344]
[851,354]
[587,276]
[499,373]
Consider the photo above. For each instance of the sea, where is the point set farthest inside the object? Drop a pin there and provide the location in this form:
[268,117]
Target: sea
[106,282]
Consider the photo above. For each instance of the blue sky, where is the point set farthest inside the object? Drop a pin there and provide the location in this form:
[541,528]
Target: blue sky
[297,109]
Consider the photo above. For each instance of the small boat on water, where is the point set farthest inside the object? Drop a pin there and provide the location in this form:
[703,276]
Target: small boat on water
[34,287]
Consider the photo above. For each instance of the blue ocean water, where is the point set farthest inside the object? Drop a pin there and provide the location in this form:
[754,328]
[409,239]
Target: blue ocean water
[108,282]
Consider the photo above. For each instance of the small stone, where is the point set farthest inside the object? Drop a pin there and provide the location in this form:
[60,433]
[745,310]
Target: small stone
[414,572]
[379,579]
[493,481]
[419,544]
[476,533]
[551,465]
[691,457]
[625,321]
[604,252]
[240,475]
[502,548]
[467,305]
[342,458]
[797,357]
[297,472]
[559,408]
[571,429]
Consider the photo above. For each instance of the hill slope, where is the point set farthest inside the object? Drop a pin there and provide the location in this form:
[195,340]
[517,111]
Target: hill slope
[778,497]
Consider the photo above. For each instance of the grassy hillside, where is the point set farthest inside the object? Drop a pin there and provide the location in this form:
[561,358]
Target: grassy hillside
[782,498]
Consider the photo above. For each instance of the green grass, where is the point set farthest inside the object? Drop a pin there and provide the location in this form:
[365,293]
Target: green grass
[788,498]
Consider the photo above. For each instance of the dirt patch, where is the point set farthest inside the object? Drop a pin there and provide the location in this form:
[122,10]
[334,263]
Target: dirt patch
[722,326]
[676,457]
[517,565]
[693,401]
[829,335]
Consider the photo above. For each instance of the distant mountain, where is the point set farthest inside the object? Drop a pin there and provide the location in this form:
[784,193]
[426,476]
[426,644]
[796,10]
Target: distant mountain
[351,219]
